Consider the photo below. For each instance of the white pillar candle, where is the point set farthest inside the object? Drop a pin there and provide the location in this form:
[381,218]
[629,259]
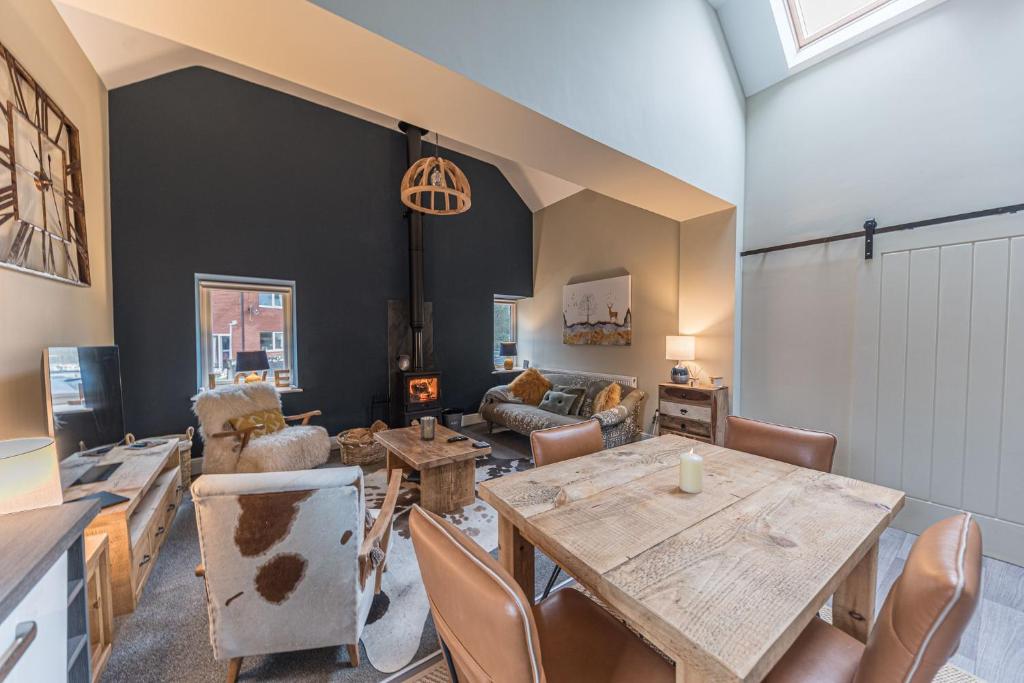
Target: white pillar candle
[691,472]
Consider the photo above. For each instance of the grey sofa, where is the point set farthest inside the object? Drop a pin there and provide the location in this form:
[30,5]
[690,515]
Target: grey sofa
[619,425]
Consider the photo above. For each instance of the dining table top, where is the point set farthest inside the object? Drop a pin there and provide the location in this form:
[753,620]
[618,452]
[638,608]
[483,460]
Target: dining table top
[724,580]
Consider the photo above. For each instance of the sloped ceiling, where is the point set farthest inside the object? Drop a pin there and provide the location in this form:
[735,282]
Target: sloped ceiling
[122,55]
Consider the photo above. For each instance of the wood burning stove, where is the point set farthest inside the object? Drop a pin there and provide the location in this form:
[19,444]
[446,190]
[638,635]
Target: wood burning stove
[421,394]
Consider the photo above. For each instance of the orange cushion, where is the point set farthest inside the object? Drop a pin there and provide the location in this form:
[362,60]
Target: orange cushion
[608,398]
[530,387]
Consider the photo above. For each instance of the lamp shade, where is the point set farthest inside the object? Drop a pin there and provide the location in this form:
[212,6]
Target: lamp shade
[680,348]
[508,349]
[29,475]
[250,361]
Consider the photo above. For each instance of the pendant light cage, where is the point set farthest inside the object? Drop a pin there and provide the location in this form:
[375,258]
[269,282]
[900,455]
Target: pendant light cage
[436,186]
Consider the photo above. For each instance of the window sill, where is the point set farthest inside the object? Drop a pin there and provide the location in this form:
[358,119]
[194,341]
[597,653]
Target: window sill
[280,390]
[503,371]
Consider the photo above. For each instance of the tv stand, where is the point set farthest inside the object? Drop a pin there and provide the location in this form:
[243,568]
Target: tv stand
[151,480]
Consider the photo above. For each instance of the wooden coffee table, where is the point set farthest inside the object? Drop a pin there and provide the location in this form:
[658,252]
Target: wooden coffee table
[447,471]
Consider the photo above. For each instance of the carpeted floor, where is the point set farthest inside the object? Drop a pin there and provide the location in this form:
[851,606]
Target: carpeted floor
[167,638]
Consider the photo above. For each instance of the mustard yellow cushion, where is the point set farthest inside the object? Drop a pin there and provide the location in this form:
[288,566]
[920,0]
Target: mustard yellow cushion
[269,421]
[608,398]
[530,387]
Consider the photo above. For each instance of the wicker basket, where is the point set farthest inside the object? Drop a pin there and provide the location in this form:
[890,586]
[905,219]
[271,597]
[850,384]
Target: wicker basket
[358,446]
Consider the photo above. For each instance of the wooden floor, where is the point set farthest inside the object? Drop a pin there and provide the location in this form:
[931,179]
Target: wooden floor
[993,645]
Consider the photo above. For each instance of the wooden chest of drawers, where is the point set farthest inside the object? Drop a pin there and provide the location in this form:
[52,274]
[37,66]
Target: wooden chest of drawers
[697,412]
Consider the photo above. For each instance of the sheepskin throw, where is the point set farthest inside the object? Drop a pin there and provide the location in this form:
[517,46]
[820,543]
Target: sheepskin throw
[530,386]
[608,398]
[292,448]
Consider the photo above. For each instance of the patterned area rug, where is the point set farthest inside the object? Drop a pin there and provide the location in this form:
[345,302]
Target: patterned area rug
[395,626]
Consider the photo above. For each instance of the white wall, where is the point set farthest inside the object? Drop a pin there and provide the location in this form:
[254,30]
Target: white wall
[586,237]
[921,121]
[36,312]
[653,79]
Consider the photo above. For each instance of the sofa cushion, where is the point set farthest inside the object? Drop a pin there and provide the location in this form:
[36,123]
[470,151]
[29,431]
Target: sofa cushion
[530,386]
[578,394]
[557,402]
[525,419]
[608,398]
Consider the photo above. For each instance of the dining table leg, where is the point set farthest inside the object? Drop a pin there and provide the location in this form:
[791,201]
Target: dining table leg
[853,605]
[516,555]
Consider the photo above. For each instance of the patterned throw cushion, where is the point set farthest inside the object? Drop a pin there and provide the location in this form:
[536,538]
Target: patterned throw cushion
[557,402]
[530,386]
[270,420]
[608,398]
[578,393]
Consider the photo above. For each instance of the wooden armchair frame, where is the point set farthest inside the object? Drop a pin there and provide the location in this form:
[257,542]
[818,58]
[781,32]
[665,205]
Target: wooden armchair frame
[379,532]
[244,435]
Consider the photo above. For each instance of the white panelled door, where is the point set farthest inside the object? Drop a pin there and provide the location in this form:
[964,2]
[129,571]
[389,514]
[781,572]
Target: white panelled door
[939,377]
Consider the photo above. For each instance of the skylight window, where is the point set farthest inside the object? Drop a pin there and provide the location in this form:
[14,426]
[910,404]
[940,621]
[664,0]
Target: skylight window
[814,19]
[812,30]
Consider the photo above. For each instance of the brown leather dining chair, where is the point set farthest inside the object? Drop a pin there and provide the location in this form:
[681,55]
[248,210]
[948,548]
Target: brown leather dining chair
[801,447]
[556,444]
[492,632]
[918,628]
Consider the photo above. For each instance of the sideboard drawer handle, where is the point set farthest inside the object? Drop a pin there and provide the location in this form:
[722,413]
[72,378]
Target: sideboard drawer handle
[159,530]
[170,506]
[24,634]
[145,560]
[683,411]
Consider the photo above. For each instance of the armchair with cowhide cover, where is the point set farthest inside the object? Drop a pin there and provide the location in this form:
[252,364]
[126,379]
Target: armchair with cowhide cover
[291,560]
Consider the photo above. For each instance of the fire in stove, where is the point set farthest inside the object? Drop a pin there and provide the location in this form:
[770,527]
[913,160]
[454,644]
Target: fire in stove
[422,389]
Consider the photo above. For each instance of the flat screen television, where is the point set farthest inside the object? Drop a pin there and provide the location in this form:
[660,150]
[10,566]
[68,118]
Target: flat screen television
[83,397]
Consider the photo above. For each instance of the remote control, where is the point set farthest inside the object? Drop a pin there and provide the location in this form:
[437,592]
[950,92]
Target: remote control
[457,437]
[480,444]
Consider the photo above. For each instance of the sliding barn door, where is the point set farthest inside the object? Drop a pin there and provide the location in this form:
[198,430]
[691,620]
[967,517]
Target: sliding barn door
[939,381]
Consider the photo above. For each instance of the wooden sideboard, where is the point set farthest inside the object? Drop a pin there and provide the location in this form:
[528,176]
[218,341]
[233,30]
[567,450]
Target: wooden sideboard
[698,412]
[152,481]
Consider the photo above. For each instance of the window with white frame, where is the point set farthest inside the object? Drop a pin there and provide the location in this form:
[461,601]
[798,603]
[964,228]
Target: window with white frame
[243,314]
[815,19]
[504,326]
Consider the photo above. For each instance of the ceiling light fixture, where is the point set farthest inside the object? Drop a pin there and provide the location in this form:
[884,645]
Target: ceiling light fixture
[436,186]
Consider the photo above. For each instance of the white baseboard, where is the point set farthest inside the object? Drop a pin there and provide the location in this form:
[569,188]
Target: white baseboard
[999,539]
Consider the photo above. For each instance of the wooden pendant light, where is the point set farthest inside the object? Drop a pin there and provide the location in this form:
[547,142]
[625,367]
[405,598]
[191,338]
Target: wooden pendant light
[436,186]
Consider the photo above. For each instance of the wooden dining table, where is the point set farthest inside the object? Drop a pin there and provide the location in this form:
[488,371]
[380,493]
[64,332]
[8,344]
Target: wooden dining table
[723,581]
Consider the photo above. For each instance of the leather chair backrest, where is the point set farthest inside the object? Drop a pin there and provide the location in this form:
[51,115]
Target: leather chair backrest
[568,441]
[802,447]
[480,612]
[929,606]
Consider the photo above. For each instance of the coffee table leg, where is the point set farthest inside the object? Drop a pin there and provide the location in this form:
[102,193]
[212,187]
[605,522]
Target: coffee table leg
[853,605]
[516,555]
[449,487]
[687,674]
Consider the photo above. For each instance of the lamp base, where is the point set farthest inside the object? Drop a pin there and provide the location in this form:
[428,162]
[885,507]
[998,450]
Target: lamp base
[680,374]
[508,363]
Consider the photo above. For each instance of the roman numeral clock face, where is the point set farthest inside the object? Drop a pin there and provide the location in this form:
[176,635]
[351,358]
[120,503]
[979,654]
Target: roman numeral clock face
[42,215]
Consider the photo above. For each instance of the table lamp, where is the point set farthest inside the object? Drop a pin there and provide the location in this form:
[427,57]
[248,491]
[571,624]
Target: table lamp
[680,349]
[508,350]
[252,362]
[29,475]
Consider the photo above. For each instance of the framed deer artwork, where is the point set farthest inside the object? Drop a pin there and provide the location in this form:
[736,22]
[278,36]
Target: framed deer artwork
[597,312]
[42,214]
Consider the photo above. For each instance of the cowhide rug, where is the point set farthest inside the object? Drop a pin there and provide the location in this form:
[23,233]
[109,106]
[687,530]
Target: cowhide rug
[395,626]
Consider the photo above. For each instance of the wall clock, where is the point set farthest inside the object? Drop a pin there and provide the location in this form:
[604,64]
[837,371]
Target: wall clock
[42,214]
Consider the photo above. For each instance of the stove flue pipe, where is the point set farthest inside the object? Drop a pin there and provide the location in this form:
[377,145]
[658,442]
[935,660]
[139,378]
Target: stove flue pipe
[414,136]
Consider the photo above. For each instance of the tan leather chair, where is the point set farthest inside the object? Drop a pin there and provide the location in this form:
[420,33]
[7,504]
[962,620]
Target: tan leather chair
[565,442]
[802,447]
[494,633]
[919,626]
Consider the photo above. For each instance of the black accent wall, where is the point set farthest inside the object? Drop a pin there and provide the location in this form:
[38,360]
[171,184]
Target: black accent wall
[212,174]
